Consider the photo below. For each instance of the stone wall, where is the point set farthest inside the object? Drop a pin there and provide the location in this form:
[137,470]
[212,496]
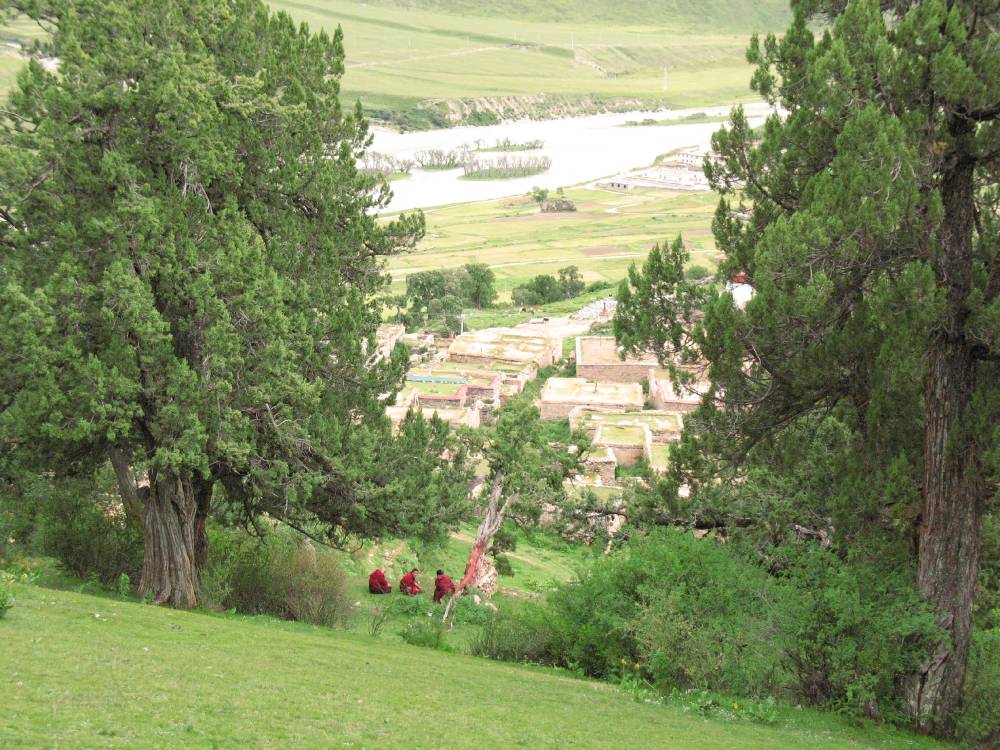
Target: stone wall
[603,464]
[623,372]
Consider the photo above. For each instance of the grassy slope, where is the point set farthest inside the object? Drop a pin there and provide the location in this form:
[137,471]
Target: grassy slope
[607,233]
[87,672]
[400,53]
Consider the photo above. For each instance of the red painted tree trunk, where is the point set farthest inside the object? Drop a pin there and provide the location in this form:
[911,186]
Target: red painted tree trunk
[487,528]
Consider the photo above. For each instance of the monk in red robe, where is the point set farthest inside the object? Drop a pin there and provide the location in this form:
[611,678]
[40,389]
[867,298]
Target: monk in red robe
[377,583]
[408,583]
[442,587]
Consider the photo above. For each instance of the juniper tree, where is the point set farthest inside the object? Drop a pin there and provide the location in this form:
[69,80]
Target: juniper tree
[865,216]
[188,256]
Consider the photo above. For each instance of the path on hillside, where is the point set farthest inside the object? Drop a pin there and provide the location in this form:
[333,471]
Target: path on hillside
[418,58]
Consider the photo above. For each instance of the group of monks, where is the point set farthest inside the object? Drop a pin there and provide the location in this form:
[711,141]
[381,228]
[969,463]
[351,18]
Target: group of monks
[377,584]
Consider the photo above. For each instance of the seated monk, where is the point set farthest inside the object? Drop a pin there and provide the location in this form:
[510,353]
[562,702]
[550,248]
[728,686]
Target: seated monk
[408,583]
[377,583]
[442,587]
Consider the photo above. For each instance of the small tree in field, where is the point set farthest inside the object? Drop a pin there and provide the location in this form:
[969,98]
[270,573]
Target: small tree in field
[525,474]
[188,259]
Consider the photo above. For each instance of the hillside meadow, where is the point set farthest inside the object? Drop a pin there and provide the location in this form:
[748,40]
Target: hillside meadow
[607,233]
[399,54]
[91,672]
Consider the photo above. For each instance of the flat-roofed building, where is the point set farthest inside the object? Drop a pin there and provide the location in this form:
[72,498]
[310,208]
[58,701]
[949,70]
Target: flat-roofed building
[507,345]
[561,395]
[598,359]
[679,399]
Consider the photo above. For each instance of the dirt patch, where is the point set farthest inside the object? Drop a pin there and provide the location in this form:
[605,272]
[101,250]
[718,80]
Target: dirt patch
[598,251]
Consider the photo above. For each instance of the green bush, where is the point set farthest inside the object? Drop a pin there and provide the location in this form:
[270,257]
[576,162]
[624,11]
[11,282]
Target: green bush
[696,273]
[426,632]
[977,724]
[692,612]
[6,601]
[849,630]
[277,574]
[527,635]
[89,537]
[465,611]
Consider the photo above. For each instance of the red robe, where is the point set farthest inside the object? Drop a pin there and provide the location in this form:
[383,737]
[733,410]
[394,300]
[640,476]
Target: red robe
[377,583]
[443,587]
[408,584]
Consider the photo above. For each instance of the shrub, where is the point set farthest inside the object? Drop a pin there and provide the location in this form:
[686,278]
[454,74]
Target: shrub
[850,629]
[426,632]
[317,588]
[527,635]
[277,575]
[89,538]
[692,612]
[6,601]
[465,611]
[977,723]
[696,273]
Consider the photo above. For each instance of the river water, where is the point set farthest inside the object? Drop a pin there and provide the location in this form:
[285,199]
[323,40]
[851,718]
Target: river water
[582,149]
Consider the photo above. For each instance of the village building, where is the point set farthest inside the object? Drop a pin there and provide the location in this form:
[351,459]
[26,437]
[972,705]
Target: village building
[680,399]
[598,358]
[505,345]
[387,336]
[456,417]
[561,395]
[742,291]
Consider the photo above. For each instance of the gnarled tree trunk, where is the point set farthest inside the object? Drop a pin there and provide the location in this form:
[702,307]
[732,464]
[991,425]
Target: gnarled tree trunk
[487,528]
[169,571]
[954,491]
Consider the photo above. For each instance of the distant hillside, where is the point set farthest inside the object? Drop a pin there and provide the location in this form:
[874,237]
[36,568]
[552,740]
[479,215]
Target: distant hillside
[434,63]
[746,15]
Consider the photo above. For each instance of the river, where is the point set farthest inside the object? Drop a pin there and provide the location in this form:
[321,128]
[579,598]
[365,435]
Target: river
[582,149]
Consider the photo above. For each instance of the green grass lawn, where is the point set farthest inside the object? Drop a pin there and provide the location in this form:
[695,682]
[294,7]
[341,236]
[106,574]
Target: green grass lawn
[88,672]
[608,232]
[613,435]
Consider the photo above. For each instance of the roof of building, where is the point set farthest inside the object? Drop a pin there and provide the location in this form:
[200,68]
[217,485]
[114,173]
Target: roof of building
[581,391]
[603,350]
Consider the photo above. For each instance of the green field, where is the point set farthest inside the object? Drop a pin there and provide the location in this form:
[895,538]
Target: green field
[608,232]
[88,672]
[518,58]
[402,53]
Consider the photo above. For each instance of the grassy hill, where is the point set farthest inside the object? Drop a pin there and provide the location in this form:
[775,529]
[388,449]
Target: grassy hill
[730,14]
[456,58]
[430,63]
[88,672]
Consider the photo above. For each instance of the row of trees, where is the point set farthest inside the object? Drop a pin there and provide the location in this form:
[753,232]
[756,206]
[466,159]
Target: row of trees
[437,298]
[544,289]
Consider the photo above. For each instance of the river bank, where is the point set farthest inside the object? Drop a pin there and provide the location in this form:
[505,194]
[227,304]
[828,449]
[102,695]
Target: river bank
[582,149]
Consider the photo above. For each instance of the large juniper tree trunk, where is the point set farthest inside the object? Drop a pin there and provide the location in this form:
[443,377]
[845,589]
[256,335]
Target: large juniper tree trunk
[169,570]
[954,490]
